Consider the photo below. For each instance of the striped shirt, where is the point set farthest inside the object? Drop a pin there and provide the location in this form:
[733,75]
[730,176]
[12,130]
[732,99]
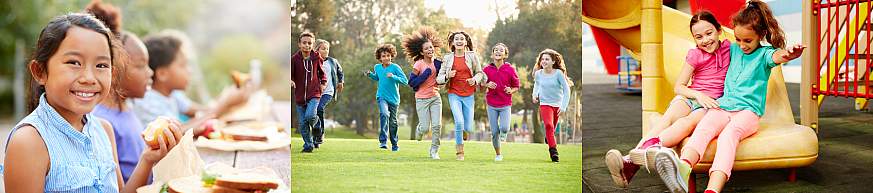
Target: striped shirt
[79,161]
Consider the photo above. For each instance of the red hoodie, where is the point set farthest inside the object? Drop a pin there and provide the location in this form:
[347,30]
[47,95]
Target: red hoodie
[308,76]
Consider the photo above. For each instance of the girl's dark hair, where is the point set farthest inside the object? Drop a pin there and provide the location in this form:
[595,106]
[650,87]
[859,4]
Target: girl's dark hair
[386,48]
[413,44]
[758,16]
[111,18]
[704,16]
[163,49]
[50,39]
[452,39]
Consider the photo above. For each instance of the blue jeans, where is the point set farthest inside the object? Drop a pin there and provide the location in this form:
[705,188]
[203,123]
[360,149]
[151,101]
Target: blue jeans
[498,118]
[318,130]
[387,122]
[307,120]
[462,112]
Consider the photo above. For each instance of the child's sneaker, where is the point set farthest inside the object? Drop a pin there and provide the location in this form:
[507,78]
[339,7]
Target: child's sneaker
[434,153]
[553,153]
[466,135]
[498,158]
[383,146]
[306,150]
[620,168]
[395,148]
[419,135]
[673,171]
[645,154]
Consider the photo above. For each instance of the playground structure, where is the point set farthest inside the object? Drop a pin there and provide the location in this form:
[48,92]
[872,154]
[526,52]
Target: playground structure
[837,63]
[629,79]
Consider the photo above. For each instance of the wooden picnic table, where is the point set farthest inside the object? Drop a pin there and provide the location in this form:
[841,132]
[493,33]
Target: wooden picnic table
[277,159]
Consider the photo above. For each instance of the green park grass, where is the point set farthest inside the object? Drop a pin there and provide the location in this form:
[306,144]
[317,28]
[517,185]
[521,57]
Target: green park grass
[358,165]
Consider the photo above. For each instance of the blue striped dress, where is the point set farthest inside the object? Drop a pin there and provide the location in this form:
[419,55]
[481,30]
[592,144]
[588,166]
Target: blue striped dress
[80,161]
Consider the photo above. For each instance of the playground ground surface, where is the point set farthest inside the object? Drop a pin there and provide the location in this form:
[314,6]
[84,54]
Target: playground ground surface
[613,120]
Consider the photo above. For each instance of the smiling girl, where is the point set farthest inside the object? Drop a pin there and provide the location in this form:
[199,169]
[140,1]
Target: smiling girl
[60,146]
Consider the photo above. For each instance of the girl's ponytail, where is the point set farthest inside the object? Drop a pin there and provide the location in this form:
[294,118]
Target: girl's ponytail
[758,15]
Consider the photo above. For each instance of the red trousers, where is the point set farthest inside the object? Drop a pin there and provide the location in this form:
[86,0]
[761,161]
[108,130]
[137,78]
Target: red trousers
[549,114]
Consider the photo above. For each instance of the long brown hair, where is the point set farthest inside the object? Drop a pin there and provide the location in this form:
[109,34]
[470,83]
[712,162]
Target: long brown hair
[50,39]
[557,57]
[760,18]
[466,36]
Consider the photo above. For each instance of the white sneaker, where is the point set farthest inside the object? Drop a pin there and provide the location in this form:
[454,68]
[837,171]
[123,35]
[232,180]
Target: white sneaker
[434,154]
[498,158]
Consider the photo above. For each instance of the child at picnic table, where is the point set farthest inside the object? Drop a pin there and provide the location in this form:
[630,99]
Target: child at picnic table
[168,60]
[60,146]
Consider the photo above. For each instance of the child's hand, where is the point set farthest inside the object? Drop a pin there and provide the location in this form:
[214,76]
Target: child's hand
[471,81]
[174,133]
[339,87]
[508,90]
[794,51]
[389,75]
[491,85]
[706,101]
[536,99]
[293,85]
[451,73]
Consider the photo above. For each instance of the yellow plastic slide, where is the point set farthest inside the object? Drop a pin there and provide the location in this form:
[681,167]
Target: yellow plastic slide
[779,143]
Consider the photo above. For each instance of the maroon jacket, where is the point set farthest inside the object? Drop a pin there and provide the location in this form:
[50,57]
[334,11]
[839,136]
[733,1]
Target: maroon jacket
[308,77]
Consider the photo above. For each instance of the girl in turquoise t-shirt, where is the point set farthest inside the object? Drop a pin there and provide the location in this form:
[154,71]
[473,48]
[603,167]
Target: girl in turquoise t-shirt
[742,104]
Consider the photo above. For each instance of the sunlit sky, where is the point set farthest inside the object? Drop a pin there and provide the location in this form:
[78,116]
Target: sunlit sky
[475,13]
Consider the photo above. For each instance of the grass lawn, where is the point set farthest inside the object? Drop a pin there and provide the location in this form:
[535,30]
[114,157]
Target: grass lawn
[358,165]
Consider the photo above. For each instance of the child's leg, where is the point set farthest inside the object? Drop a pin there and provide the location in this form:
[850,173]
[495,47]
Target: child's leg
[392,123]
[678,108]
[458,116]
[436,119]
[681,128]
[319,128]
[469,103]
[422,107]
[303,128]
[495,132]
[383,121]
[742,125]
[503,119]
[548,114]
[709,127]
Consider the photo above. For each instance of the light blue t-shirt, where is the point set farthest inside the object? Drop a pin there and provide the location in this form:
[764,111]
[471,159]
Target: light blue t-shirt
[78,161]
[745,85]
[154,104]
[327,65]
[552,89]
[387,87]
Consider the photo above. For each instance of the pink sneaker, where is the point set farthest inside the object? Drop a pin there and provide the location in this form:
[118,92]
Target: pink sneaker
[620,168]
[645,154]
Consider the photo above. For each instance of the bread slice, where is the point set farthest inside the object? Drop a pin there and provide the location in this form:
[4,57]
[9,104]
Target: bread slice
[244,134]
[246,182]
[239,78]
[191,184]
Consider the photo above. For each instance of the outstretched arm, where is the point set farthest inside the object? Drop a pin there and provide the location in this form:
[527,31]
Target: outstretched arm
[788,54]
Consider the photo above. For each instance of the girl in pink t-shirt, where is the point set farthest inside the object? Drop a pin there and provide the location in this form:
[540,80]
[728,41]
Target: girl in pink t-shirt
[420,46]
[706,66]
